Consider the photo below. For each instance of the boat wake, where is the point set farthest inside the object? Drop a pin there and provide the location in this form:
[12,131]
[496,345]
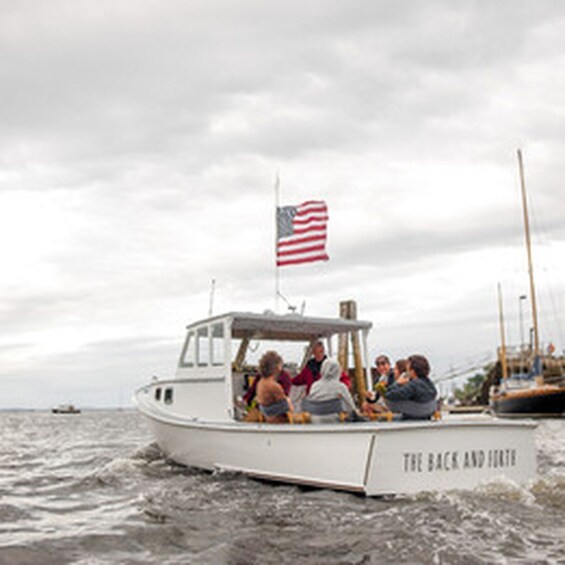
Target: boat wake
[96,500]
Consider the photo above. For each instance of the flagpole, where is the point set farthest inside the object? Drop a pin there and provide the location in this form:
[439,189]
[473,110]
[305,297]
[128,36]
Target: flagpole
[277,278]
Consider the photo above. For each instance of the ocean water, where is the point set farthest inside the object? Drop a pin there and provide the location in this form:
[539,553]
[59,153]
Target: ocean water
[93,488]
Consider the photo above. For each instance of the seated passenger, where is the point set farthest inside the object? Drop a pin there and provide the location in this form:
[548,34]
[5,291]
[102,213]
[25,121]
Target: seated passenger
[383,377]
[273,402]
[283,378]
[400,368]
[311,371]
[328,395]
[413,394]
[384,373]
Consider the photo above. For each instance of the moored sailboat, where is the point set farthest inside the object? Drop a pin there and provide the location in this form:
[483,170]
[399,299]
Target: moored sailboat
[523,389]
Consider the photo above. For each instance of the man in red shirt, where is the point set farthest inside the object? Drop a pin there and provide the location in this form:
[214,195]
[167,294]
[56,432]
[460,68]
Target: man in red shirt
[311,371]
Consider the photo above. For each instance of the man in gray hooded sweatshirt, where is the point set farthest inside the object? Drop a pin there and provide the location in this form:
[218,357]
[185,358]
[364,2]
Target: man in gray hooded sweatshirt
[329,388]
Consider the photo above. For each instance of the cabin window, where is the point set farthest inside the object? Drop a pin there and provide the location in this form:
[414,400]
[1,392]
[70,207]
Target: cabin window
[218,349]
[188,356]
[203,346]
[158,393]
[168,399]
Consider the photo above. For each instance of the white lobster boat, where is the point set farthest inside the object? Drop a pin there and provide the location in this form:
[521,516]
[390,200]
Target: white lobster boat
[196,420]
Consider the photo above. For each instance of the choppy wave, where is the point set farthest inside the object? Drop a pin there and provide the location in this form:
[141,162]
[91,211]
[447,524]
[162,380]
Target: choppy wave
[95,489]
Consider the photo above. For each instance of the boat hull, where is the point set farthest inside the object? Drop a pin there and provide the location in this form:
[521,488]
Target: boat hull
[370,458]
[544,403]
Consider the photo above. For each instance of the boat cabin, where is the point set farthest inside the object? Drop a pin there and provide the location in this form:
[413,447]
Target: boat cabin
[221,354]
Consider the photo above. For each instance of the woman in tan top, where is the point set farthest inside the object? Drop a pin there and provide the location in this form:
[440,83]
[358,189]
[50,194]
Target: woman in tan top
[273,402]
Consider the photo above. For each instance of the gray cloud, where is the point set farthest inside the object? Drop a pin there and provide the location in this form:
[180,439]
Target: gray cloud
[140,142]
[104,373]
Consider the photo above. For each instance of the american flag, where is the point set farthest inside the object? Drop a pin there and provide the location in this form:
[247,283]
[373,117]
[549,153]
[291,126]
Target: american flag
[301,233]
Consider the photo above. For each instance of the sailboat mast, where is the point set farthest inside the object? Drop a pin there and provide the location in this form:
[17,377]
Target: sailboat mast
[502,350]
[536,350]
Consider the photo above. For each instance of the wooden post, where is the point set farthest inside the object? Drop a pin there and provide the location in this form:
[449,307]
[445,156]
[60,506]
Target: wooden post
[360,386]
[349,308]
[240,357]
[343,353]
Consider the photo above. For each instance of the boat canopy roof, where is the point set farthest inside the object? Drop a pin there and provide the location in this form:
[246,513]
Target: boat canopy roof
[292,327]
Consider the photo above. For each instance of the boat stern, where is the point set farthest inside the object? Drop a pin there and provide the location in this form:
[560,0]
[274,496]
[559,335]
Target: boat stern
[450,455]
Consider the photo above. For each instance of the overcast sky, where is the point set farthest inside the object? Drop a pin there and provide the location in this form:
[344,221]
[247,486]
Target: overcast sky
[139,145]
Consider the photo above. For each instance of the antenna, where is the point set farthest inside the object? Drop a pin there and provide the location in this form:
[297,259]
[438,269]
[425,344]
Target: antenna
[290,306]
[212,289]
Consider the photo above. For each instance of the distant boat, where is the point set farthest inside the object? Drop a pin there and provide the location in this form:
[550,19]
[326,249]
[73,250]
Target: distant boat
[65,409]
[526,392]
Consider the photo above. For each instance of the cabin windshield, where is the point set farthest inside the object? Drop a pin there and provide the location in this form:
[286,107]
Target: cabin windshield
[217,344]
[204,346]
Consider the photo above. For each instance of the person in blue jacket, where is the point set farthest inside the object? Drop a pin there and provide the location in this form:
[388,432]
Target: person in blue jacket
[413,394]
